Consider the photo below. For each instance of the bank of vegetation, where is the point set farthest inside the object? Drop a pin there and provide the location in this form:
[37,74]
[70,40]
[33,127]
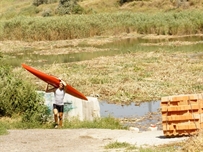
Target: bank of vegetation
[82,26]
[36,20]
[21,107]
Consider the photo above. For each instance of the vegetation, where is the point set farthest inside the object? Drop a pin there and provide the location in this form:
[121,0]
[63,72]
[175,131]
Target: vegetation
[40,2]
[137,72]
[24,22]
[19,98]
[146,72]
[194,144]
[3,129]
[82,26]
[104,123]
[116,144]
[126,147]
[69,7]
[16,123]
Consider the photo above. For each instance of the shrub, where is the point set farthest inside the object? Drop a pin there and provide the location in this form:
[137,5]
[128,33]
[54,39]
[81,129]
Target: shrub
[39,2]
[69,7]
[20,98]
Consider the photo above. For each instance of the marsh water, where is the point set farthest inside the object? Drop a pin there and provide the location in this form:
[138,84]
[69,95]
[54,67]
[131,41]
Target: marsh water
[128,111]
[142,115]
[121,46]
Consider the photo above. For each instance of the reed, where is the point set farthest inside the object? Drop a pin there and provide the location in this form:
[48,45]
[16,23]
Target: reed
[82,26]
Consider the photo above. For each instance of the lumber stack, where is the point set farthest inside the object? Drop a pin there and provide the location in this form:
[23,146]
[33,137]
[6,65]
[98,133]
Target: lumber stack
[182,114]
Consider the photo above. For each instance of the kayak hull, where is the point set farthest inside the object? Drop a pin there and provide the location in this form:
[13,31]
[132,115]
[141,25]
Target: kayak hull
[54,81]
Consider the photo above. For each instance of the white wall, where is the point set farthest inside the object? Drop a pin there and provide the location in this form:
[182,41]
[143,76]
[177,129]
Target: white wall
[75,107]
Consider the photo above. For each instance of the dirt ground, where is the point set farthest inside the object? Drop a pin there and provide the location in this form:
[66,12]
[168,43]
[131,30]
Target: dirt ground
[77,140]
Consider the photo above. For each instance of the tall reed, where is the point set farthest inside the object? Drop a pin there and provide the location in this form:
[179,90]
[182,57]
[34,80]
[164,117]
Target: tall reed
[81,26]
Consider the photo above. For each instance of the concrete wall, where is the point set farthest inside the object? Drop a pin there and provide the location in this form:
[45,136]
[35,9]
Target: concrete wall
[75,107]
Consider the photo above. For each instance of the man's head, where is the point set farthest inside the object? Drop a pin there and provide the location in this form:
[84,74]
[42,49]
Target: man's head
[61,85]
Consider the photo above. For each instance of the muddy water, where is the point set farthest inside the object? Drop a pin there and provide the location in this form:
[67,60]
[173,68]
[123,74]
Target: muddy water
[128,111]
[139,116]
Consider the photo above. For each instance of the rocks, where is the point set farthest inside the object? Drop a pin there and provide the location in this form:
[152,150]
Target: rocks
[149,122]
[134,129]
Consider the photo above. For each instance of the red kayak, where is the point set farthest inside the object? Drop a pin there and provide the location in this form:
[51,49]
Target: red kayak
[54,81]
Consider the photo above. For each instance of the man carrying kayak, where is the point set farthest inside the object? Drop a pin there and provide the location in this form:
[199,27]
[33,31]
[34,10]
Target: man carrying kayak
[58,105]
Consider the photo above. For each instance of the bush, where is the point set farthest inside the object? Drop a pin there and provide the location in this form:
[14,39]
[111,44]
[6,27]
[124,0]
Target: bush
[39,2]
[69,7]
[20,98]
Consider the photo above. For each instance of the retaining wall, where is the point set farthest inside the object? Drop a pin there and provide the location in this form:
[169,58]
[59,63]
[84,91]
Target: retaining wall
[75,107]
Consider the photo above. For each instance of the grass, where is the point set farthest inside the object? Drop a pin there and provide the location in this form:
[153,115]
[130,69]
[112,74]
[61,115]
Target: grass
[116,144]
[3,130]
[103,123]
[143,72]
[126,147]
[193,143]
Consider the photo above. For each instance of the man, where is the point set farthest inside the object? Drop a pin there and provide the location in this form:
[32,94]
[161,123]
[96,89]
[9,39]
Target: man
[58,105]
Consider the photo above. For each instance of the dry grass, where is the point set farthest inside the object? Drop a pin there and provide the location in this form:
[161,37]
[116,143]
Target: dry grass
[98,6]
[193,144]
[139,76]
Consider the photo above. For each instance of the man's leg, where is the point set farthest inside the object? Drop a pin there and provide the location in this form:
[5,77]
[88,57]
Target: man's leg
[56,116]
[60,119]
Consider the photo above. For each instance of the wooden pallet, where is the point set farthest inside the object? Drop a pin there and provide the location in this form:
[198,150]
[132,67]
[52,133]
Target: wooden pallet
[182,114]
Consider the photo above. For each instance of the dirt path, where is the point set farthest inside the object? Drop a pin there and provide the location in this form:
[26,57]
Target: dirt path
[77,140]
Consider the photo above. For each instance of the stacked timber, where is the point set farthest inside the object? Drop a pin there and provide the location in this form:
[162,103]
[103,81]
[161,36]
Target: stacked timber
[182,114]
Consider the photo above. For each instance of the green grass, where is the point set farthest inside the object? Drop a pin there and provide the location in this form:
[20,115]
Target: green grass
[3,130]
[115,145]
[103,123]
[126,147]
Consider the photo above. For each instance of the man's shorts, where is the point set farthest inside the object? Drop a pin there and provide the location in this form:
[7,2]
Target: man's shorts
[60,108]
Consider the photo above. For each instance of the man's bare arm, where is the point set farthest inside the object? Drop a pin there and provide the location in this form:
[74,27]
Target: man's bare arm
[51,89]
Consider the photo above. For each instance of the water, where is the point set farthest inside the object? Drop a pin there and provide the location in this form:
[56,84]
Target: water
[117,47]
[128,111]
[141,116]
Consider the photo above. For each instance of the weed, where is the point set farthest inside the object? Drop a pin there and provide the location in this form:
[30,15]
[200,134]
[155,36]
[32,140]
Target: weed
[105,123]
[117,145]
[3,130]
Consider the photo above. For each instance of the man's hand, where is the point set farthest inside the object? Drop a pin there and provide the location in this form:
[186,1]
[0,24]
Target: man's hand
[63,82]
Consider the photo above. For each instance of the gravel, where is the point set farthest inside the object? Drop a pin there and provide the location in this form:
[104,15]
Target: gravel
[77,140]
